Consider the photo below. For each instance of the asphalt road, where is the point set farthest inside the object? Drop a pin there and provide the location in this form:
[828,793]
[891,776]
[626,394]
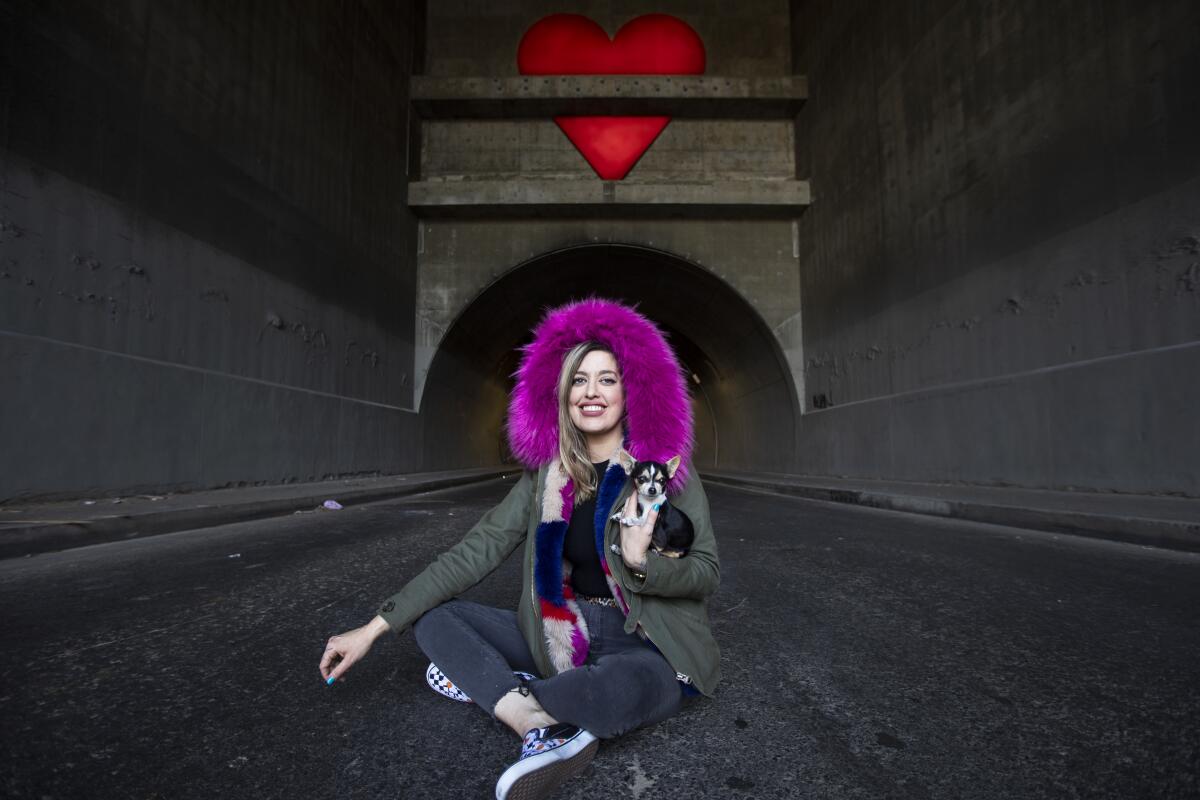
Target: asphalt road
[867,654]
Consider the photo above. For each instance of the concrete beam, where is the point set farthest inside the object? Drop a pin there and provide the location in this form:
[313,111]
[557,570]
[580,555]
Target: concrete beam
[682,96]
[747,199]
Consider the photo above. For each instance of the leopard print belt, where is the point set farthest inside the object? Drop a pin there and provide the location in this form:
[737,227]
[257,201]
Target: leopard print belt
[611,602]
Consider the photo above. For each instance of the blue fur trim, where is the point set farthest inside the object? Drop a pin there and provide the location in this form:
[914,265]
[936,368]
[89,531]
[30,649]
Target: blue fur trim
[547,567]
[606,495]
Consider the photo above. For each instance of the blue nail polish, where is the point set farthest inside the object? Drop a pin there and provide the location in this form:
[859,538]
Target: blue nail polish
[330,681]
[657,506]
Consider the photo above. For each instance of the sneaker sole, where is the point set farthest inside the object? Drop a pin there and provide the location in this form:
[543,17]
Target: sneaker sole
[539,782]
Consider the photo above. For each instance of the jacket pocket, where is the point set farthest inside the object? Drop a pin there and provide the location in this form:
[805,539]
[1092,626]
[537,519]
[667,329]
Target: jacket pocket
[679,628]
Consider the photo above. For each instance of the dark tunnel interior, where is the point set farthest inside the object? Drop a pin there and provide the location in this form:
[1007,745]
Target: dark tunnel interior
[744,402]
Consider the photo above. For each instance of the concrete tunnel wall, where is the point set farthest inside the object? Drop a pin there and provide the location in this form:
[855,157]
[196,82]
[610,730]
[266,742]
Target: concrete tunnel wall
[743,397]
[1001,266]
[206,260]
[209,274]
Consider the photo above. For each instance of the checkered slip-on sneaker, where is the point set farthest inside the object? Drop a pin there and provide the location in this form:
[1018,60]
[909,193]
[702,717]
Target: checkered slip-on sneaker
[438,681]
[549,757]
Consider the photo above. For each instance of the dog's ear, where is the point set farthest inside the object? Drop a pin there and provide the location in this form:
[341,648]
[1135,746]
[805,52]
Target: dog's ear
[626,460]
[672,465]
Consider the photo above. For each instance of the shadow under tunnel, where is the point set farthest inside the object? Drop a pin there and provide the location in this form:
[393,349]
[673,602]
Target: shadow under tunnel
[743,397]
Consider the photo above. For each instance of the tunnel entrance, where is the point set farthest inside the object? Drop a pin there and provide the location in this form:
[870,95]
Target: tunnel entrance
[743,397]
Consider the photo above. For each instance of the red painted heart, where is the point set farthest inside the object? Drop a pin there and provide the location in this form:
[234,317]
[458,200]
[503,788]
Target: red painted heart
[572,44]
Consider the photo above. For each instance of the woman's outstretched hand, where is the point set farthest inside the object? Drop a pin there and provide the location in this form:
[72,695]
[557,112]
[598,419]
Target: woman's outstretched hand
[635,539]
[344,650]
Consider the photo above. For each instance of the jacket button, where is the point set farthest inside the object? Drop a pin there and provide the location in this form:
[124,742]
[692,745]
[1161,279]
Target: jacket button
[386,607]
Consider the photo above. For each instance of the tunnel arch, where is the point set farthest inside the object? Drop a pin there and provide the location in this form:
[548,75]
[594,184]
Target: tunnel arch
[743,394]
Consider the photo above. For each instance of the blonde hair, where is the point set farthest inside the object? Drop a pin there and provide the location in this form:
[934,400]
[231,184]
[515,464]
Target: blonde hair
[572,447]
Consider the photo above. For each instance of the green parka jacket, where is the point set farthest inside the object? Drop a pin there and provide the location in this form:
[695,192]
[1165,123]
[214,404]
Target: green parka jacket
[670,605]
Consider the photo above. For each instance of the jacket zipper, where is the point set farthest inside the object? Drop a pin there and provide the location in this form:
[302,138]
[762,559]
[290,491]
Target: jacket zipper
[616,506]
[534,601]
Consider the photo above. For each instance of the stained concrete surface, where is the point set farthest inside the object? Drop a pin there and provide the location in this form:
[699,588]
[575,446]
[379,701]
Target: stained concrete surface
[680,96]
[866,654]
[1169,522]
[31,528]
[489,199]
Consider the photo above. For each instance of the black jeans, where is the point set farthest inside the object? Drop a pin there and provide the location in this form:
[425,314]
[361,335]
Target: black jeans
[624,684]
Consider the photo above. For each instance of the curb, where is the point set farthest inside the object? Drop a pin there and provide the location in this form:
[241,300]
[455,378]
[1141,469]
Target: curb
[1163,533]
[19,541]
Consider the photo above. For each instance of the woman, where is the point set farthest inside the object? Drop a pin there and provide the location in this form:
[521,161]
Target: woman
[610,642]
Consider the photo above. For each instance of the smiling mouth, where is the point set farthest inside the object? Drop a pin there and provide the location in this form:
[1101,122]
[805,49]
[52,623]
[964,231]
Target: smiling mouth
[591,408]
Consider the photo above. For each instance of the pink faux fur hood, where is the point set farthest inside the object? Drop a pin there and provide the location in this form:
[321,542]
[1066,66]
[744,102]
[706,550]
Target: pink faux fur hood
[658,409]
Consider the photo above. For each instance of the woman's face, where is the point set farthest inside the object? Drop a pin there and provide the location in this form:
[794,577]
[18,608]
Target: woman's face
[597,399]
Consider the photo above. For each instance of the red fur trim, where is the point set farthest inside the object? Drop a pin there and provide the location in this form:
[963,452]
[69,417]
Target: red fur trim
[551,611]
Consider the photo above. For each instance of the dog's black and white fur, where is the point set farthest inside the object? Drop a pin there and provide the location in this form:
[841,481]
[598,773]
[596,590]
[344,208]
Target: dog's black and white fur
[673,532]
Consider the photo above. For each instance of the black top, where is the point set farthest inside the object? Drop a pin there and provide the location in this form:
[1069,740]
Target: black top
[587,577]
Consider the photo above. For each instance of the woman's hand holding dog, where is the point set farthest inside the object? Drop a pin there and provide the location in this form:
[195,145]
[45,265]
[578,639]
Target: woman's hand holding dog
[635,539]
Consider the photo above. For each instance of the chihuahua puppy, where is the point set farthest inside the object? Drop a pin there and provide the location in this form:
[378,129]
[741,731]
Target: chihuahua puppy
[673,532]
